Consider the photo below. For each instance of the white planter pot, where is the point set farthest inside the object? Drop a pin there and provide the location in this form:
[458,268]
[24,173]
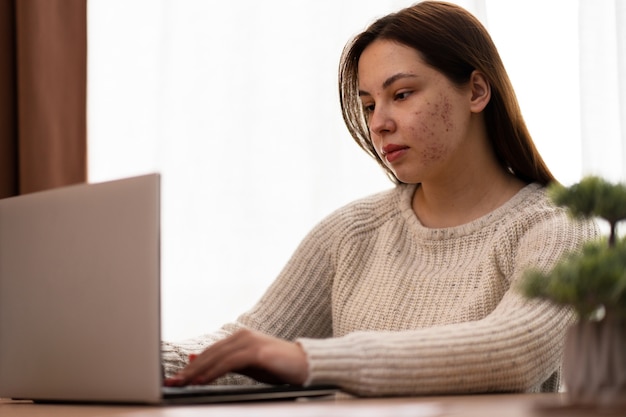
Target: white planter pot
[594,362]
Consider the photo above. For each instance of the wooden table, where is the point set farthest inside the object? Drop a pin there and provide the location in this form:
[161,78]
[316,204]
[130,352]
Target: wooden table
[503,405]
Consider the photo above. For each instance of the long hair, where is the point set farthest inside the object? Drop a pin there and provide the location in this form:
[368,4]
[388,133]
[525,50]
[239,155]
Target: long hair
[454,42]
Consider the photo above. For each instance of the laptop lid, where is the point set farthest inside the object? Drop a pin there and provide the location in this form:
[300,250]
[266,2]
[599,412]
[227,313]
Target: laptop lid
[79,293]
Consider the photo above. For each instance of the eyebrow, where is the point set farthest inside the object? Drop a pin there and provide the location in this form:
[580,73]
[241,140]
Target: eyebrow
[390,81]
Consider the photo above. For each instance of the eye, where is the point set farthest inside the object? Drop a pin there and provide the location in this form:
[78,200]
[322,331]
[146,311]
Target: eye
[368,108]
[402,95]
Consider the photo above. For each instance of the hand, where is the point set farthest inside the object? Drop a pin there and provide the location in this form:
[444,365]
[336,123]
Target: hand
[262,357]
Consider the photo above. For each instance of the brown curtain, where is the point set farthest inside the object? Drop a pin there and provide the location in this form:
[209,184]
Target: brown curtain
[43,77]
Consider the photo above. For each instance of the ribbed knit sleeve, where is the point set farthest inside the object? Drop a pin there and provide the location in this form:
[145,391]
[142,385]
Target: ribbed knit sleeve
[515,349]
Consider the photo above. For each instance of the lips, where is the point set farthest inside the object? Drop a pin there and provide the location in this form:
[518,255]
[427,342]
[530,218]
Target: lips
[392,152]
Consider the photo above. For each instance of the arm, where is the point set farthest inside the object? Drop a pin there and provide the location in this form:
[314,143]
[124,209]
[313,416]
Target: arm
[296,305]
[515,348]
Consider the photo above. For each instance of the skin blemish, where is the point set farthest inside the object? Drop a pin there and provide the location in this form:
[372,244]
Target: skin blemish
[426,130]
[445,113]
[438,112]
[434,152]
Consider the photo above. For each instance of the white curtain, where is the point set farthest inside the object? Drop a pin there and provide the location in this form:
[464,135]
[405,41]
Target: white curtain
[235,104]
[603,86]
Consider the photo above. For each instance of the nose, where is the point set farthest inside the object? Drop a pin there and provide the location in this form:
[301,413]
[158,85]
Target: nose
[381,121]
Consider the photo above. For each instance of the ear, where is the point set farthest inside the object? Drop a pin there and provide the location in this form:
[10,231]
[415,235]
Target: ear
[481,91]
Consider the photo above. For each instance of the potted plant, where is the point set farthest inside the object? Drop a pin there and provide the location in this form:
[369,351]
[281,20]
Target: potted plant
[592,281]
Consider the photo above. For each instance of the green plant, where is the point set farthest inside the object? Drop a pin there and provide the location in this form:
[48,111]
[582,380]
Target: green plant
[595,276]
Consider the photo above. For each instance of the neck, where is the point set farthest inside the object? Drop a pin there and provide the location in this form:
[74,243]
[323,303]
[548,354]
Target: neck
[463,200]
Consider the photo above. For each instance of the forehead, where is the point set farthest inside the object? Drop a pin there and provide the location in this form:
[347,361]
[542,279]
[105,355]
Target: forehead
[383,59]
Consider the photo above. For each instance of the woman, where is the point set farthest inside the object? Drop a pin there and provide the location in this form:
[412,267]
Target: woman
[412,291]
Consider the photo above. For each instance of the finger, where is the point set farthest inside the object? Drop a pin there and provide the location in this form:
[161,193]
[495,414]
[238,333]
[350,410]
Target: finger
[233,362]
[214,361]
[176,380]
[263,358]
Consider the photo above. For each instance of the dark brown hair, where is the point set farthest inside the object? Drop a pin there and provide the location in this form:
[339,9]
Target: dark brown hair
[454,42]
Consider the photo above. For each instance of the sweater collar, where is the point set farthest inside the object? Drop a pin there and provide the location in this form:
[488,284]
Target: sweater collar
[525,197]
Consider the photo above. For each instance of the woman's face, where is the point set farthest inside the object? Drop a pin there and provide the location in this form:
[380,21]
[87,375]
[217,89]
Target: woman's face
[419,121]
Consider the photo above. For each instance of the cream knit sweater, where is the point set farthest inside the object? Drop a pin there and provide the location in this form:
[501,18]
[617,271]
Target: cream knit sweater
[385,306]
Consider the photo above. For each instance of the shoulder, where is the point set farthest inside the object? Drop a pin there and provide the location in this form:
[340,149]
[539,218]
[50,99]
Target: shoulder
[368,213]
[542,216]
[543,231]
[375,207]
[532,208]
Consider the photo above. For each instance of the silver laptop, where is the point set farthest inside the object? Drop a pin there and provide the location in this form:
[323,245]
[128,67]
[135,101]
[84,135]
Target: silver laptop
[80,299]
